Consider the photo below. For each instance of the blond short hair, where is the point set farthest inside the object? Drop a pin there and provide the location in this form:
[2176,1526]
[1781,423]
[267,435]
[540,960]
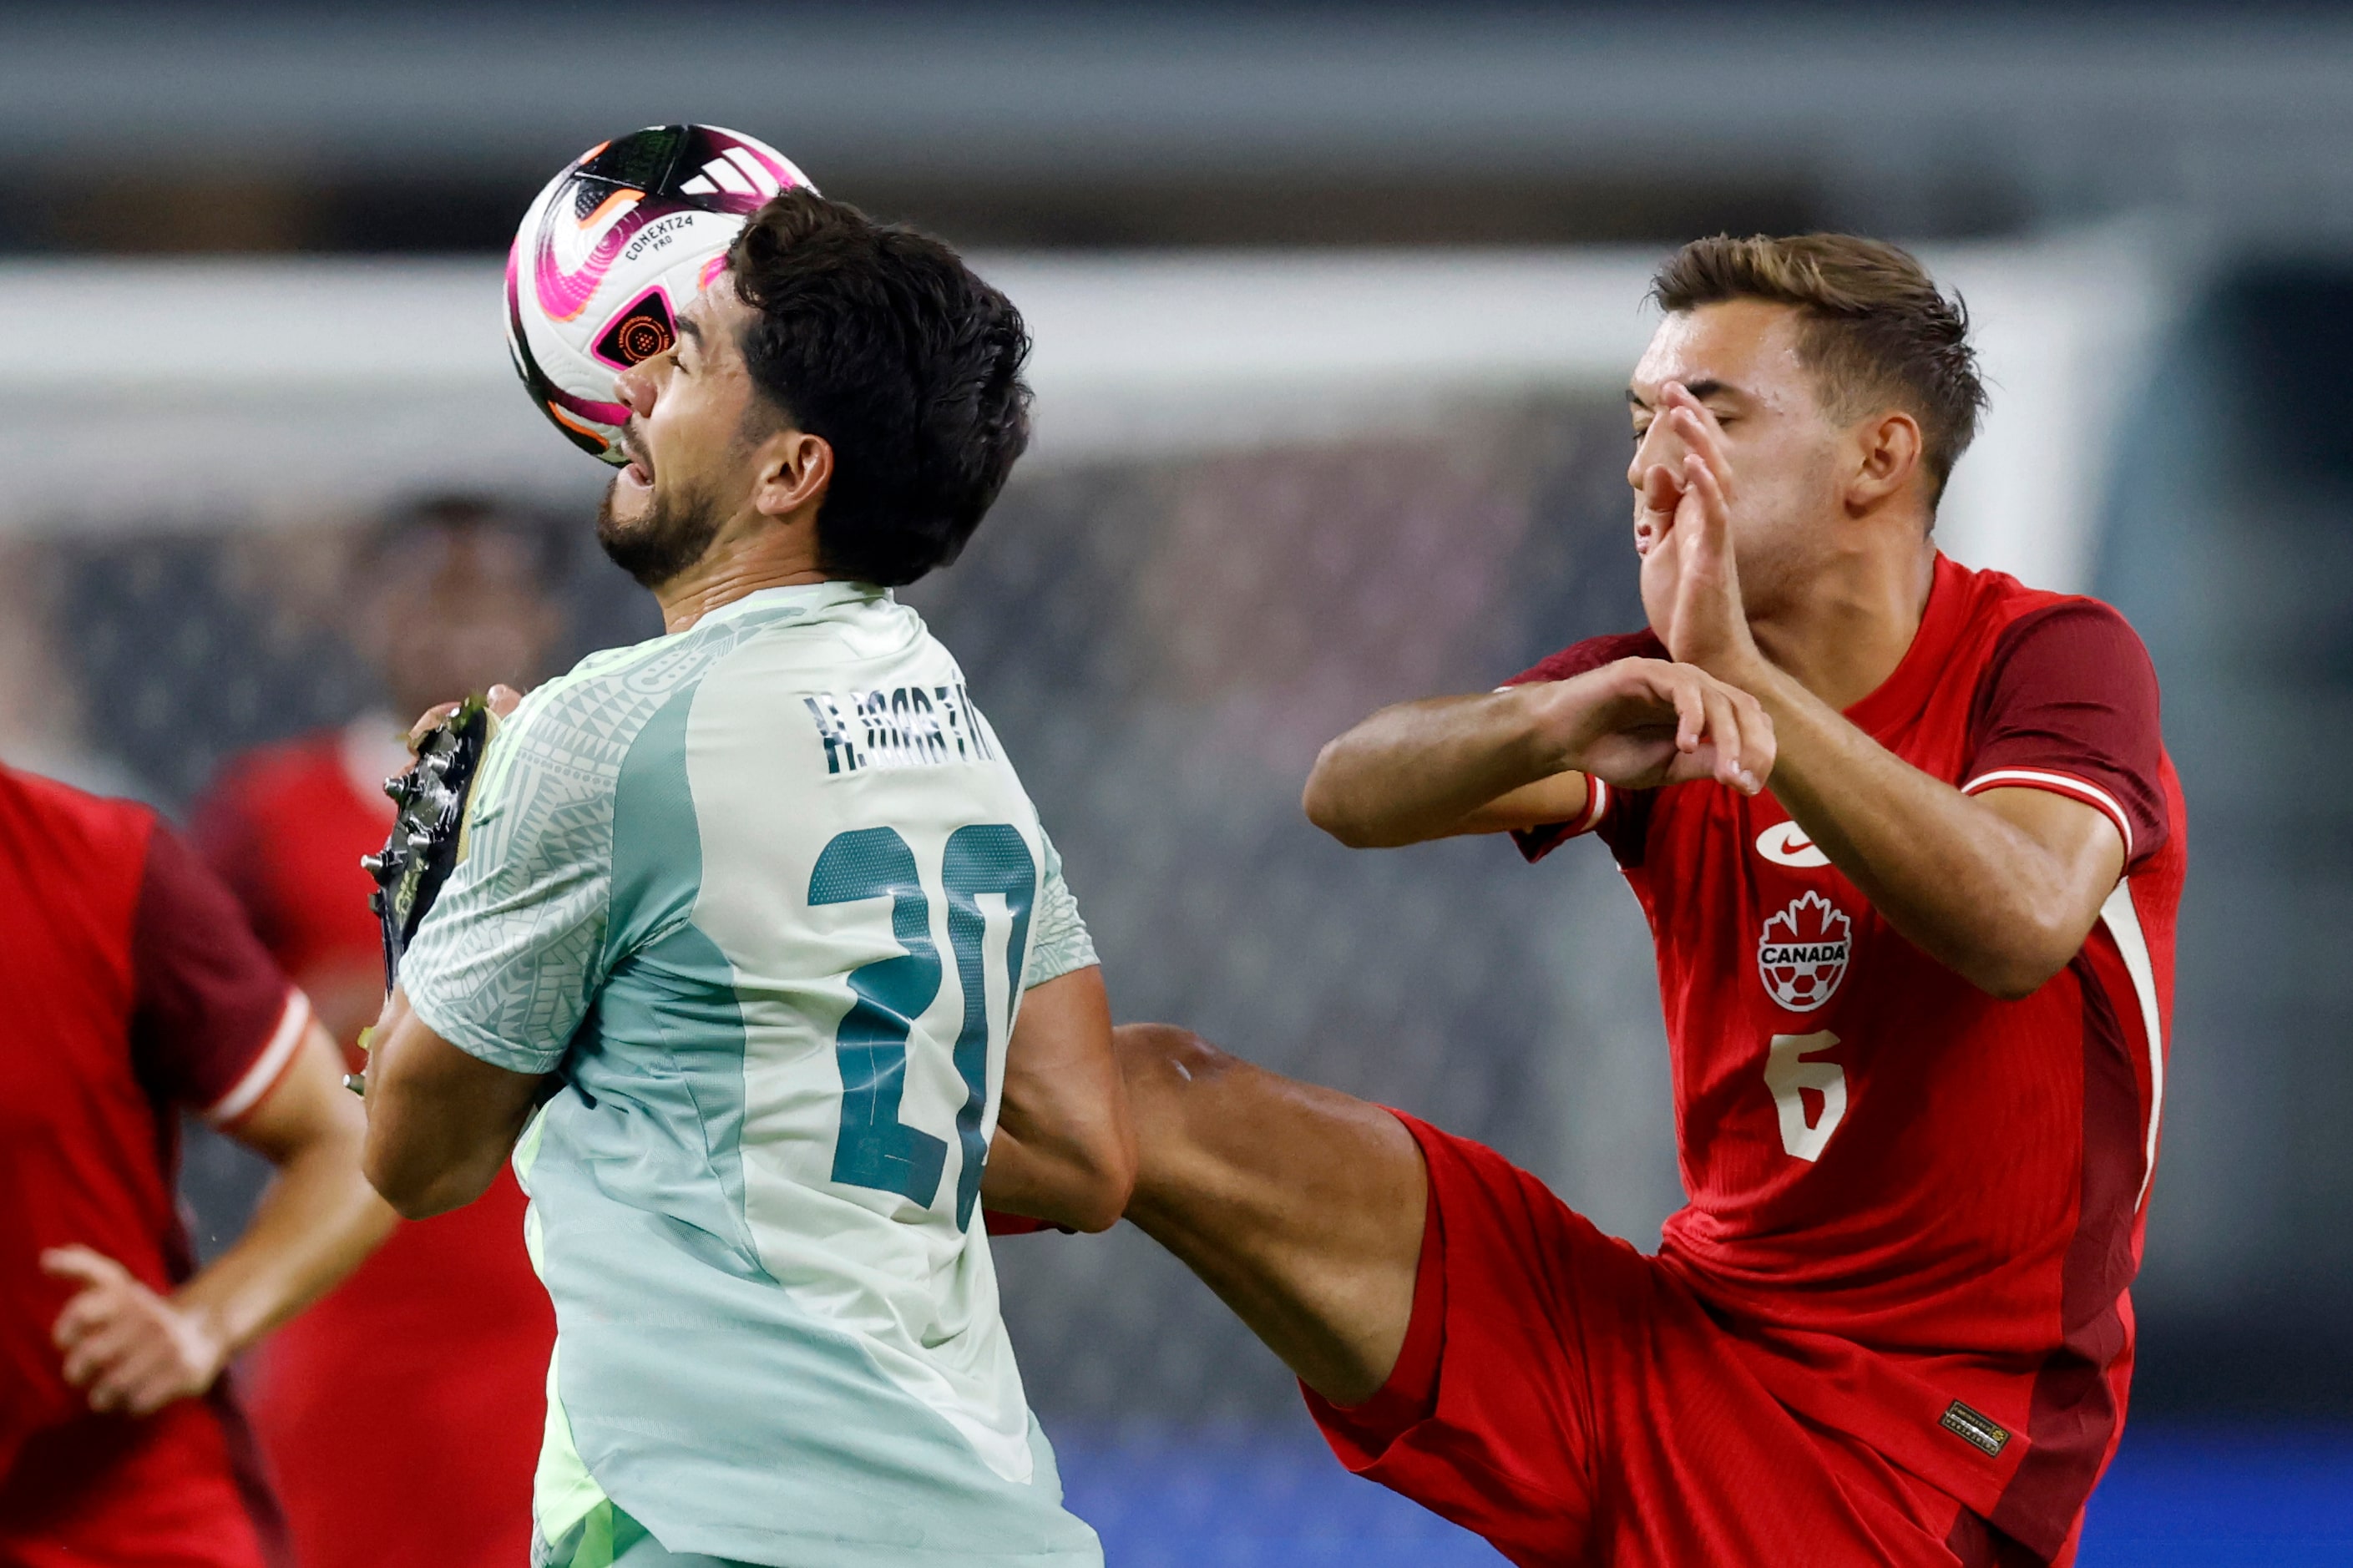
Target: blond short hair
[1876,330]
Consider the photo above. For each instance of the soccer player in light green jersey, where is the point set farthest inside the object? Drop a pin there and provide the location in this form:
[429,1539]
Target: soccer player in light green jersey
[760,965]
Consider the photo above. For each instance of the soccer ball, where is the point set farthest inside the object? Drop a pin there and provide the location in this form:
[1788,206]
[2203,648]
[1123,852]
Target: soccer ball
[611,251]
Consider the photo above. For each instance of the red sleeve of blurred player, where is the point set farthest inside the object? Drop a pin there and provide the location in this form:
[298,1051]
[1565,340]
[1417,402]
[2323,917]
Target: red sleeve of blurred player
[229,838]
[285,829]
[214,1023]
[1621,816]
[2069,703]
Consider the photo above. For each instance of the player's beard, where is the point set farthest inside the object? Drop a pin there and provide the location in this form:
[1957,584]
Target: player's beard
[673,535]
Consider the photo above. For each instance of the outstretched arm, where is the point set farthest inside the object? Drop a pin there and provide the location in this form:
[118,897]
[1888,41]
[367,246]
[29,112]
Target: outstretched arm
[2002,888]
[136,1351]
[1518,758]
[1065,1150]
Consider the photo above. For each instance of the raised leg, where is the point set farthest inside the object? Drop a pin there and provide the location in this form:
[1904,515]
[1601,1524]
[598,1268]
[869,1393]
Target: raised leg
[1300,1207]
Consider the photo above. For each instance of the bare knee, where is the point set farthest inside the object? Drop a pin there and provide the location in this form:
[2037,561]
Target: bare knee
[1300,1206]
[1172,1076]
[1161,1058]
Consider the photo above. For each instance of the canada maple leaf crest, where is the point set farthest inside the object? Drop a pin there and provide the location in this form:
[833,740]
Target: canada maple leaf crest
[1803,953]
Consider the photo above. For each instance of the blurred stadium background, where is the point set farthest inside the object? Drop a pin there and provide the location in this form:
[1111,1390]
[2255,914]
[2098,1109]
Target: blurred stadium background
[1333,306]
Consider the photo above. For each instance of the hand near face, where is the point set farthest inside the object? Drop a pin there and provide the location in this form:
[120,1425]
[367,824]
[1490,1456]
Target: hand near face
[135,1351]
[1683,530]
[1642,723]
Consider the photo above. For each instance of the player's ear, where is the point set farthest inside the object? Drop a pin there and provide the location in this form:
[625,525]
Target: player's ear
[796,468]
[1886,453]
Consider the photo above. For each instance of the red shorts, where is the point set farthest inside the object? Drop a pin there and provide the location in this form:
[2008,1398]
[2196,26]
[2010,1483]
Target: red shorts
[1568,1398]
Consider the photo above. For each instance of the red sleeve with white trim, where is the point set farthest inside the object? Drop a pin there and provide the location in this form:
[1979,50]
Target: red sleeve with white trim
[1605,805]
[214,1022]
[2068,704]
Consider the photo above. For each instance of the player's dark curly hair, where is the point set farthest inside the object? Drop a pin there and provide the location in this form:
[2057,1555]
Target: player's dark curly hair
[1877,328]
[882,341]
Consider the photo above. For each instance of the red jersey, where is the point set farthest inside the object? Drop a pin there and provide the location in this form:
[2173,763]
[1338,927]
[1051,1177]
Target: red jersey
[135,990]
[281,825]
[1918,1207]
[451,1453]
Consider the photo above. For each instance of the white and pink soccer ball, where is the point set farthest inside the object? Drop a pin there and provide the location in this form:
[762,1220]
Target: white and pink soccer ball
[613,249]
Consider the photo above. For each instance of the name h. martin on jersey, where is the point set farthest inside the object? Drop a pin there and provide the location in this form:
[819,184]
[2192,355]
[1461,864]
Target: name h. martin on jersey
[905,727]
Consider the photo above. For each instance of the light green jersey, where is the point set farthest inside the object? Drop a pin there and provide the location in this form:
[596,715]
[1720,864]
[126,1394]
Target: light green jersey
[767,894]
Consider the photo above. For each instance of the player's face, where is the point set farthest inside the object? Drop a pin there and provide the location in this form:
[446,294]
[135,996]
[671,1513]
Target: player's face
[692,460]
[1740,359]
[456,611]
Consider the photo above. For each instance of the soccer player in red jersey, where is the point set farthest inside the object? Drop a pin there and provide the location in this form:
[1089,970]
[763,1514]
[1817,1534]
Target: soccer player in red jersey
[135,990]
[1915,992]
[451,595]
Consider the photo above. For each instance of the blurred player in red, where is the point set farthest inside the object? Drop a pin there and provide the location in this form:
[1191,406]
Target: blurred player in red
[135,992]
[1915,997]
[402,1415]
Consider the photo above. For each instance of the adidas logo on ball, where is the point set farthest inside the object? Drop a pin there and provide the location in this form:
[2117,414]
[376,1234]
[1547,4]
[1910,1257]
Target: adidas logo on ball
[613,249]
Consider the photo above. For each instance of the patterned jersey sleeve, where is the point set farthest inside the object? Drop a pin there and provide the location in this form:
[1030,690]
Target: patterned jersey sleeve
[2068,704]
[214,1023]
[1063,946]
[507,961]
[1619,815]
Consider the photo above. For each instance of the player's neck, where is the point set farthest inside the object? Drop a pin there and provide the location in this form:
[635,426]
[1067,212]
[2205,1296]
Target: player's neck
[1844,630]
[741,562]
